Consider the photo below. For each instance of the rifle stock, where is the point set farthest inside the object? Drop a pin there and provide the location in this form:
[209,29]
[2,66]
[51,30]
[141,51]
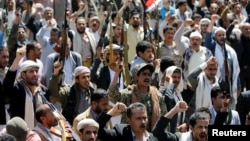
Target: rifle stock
[125,61]
[110,42]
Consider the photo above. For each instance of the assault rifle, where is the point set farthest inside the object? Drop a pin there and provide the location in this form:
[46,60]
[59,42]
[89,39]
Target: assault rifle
[104,29]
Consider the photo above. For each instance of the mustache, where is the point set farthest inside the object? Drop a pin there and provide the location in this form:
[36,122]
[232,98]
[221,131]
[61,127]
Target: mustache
[203,134]
[146,80]
[143,126]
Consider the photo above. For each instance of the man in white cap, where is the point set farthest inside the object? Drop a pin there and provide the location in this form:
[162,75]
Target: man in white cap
[88,130]
[78,99]
[228,73]
[26,94]
[94,27]
[193,54]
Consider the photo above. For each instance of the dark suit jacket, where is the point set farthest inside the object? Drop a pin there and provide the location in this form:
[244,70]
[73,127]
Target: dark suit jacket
[2,108]
[121,132]
[168,93]
[104,78]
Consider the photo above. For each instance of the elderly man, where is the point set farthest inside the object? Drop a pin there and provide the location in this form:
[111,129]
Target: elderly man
[26,94]
[193,54]
[78,99]
[88,130]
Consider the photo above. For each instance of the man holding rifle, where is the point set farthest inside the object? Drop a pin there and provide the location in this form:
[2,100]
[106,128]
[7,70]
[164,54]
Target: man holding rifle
[229,70]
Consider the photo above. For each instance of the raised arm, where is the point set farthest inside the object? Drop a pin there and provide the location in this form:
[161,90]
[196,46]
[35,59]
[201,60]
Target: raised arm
[159,129]
[209,42]
[181,46]
[106,134]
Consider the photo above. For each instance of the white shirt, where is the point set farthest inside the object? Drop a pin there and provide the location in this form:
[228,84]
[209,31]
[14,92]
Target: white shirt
[112,75]
[68,71]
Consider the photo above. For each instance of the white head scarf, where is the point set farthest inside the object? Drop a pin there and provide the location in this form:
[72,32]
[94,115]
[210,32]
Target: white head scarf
[169,71]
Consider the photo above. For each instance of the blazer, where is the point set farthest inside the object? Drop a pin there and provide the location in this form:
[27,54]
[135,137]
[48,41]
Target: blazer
[70,111]
[170,103]
[121,132]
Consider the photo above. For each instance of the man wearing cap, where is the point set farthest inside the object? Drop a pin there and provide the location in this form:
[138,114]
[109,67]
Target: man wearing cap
[26,94]
[88,130]
[33,52]
[18,128]
[103,78]
[141,91]
[202,28]
[193,54]
[78,99]
[94,27]
[227,60]
[83,42]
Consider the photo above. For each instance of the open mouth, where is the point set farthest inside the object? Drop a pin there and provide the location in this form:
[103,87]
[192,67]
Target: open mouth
[202,136]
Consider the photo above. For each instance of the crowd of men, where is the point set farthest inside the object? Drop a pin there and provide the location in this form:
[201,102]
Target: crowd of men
[131,70]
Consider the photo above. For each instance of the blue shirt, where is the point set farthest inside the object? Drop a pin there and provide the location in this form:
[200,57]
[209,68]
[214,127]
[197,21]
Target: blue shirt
[163,11]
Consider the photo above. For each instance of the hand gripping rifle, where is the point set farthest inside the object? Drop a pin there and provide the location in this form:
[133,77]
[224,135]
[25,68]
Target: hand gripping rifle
[157,37]
[147,32]
[104,29]
[61,49]
[226,85]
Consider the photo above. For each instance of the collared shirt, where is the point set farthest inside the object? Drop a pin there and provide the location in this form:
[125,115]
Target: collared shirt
[68,71]
[86,49]
[133,37]
[171,51]
[94,114]
[145,139]
[95,34]
[84,101]
[197,58]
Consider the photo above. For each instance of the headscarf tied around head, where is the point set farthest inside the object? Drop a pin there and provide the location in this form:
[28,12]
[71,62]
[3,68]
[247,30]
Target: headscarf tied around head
[168,72]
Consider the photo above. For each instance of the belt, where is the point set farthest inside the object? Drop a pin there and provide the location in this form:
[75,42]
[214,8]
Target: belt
[87,62]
